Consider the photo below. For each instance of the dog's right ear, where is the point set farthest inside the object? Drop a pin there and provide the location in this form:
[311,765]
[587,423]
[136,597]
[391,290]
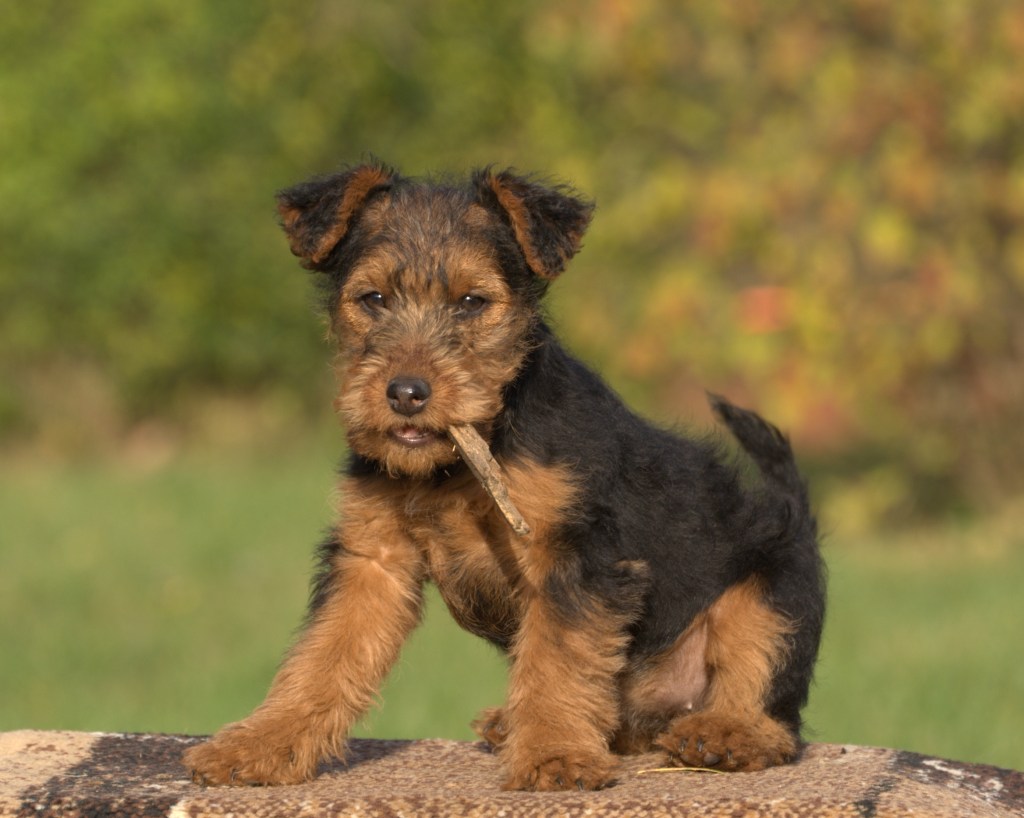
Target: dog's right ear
[317,214]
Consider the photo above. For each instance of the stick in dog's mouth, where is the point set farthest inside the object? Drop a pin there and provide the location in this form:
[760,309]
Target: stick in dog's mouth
[477,454]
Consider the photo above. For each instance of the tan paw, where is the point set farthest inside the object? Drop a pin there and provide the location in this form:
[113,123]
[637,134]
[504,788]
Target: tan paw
[239,755]
[571,771]
[492,726]
[725,742]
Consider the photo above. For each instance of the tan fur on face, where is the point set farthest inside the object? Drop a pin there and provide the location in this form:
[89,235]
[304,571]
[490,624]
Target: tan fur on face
[466,361]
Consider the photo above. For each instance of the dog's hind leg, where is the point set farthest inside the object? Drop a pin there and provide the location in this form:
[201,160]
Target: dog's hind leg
[746,646]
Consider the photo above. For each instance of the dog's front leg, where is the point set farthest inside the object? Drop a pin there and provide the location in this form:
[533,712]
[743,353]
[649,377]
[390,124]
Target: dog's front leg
[563,699]
[367,603]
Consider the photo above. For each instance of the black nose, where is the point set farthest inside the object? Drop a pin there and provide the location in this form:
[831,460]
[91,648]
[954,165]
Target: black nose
[408,396]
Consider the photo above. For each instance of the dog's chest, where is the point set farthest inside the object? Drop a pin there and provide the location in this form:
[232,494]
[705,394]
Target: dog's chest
[470,555]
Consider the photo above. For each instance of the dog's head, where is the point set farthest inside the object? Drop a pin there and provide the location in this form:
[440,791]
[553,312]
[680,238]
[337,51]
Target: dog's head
[432,291]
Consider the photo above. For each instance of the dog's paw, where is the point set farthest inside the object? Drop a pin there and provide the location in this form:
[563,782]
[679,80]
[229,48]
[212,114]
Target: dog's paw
[724,742]
[242,756]
[492,726]
[571,771]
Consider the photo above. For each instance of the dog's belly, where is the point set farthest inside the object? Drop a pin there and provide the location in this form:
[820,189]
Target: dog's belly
[675,681]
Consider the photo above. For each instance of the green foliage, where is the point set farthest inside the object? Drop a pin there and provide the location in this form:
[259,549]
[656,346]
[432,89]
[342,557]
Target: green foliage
[813,208]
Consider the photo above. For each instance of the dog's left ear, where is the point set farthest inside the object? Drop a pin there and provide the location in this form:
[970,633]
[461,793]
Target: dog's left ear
[548,222]
[316,215]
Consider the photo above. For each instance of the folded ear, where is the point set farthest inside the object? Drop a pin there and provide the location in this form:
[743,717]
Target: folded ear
[317,214]
[548,222]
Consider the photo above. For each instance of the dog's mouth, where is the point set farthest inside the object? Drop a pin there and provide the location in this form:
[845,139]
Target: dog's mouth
[413,437]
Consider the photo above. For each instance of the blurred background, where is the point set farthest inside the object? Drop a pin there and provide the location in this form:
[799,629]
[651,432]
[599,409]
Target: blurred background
[815,209]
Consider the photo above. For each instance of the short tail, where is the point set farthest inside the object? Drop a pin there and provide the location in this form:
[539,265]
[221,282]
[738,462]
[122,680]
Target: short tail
[765,444]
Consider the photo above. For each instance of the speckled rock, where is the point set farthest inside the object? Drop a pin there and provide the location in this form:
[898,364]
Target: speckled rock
[90,774]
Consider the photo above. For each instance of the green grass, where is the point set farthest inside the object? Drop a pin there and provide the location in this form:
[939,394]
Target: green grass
[924,644]
[162,599]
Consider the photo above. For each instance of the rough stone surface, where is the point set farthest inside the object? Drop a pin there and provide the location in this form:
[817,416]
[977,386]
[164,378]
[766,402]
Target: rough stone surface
[91,774]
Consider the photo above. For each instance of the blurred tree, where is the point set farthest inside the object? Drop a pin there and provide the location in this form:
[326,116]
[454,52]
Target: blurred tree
[814,208]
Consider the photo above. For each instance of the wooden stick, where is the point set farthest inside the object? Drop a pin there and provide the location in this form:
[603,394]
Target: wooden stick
[477,454]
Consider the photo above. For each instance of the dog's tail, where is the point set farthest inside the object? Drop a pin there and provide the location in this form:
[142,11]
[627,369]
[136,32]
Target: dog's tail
[765,444]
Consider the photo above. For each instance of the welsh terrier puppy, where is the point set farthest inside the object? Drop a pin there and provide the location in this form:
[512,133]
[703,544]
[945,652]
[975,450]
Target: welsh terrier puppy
[653,595]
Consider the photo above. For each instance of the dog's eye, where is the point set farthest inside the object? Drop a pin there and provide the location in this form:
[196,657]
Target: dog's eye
[373,302]
[471,304]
